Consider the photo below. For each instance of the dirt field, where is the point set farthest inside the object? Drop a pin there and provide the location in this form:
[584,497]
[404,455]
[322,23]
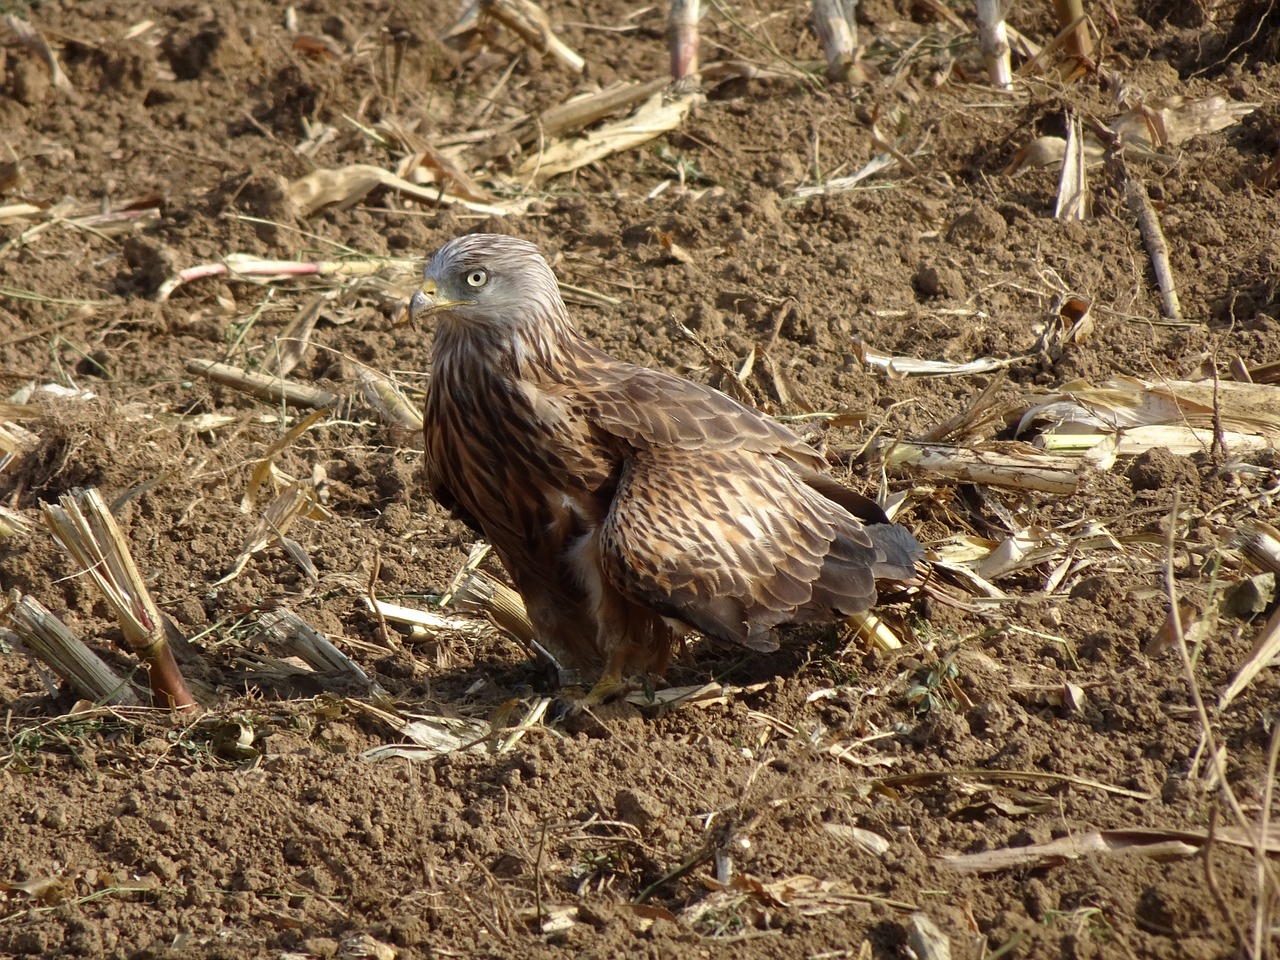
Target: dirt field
[807,812]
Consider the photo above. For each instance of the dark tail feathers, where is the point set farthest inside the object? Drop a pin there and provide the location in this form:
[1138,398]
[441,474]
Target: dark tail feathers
[901,551]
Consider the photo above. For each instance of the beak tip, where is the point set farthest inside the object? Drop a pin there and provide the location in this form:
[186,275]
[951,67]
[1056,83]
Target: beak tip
[416,306]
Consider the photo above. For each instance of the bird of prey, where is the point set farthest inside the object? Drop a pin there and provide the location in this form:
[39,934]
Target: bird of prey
[627,503]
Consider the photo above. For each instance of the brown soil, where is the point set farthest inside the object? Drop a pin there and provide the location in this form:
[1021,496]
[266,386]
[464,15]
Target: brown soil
[164,842]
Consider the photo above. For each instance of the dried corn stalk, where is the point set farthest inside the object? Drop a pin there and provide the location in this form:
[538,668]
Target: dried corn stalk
[52,641]
[85,529]
[1176,414]
[1073,20]
[1014,465]
[682,40]
[425,624]
[993,40]
[482,594]
[837,29]
[1260,542]
[14,441]
[264,386]
[298,638]
[402,417]
[583,110]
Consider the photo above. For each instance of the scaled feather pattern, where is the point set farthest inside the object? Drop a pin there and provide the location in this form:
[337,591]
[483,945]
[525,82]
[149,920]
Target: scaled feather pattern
[625,501]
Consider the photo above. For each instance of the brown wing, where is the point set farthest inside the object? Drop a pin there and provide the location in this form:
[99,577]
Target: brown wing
[652,408]
[734,543]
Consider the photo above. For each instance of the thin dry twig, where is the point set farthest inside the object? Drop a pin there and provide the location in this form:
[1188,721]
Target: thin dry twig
[1135,195]
[1211,881]
[1218,755]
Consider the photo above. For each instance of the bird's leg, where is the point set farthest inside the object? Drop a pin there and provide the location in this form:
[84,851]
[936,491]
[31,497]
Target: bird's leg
[611,681]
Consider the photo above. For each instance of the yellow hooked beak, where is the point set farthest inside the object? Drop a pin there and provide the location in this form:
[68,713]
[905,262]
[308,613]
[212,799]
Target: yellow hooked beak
[426,300]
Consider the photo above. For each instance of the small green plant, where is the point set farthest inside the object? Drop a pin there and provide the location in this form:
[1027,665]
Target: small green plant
[723,920]
[931,687]
[1083,919]
[685,168]
[598,868]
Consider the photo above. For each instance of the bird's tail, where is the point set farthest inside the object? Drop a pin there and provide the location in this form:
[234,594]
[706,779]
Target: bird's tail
[901,550]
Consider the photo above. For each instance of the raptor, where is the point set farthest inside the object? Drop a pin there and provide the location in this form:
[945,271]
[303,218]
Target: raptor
[627,503]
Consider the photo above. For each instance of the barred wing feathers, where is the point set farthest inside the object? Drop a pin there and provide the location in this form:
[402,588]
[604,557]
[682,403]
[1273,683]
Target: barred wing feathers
[722,518]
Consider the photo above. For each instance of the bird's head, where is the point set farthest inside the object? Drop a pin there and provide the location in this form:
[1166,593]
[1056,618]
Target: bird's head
[490,283]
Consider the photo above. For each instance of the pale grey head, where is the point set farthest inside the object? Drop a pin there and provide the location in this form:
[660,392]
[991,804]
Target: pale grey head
[490,284]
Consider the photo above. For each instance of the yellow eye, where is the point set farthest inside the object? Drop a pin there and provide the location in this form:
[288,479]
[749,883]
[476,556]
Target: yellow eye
[477,278]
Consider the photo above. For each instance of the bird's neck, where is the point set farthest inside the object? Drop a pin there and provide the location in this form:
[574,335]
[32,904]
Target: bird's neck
[474,352]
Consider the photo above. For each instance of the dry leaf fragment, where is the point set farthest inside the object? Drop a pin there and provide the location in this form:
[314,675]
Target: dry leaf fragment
[1070,324]
[1265,650]
[34,41]
[295,340]
[1141,129]
[654,118]
[365,947]
[1171,120]
[1073,182]
[46,890]
[296,500]
[865,840]
[925,937]
[265,468]
[530,22]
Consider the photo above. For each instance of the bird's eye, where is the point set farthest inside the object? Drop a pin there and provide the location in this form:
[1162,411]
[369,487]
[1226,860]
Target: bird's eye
[477,278]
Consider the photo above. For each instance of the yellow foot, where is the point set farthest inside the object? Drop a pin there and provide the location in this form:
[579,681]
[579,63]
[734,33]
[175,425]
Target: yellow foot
[605,689]
[572,702]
